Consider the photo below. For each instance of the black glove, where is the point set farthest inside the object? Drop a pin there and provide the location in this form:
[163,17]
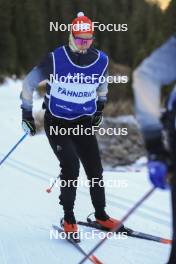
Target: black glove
[155,147]
[28,123]
[97,119]
[98,116]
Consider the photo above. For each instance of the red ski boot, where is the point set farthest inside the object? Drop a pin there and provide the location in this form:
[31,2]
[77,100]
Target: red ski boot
[106,221]
[70,227]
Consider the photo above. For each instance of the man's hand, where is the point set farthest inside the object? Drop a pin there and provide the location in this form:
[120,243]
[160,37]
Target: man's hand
[160,164]
[28,123]
[158,172]
[98,116]
[97,119]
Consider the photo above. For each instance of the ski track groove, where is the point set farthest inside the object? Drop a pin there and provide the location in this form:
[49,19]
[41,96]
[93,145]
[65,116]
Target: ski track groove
[3,253]
[27,166]
[113,203]
[32,169]
[20,245]
[10,258]
[26,171]
[142,214]
[129,201]
[22,253]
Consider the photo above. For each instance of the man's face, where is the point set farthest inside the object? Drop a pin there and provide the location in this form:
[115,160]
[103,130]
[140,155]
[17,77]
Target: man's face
[83,41]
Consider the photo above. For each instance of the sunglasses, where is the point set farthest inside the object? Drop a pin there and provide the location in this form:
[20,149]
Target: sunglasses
[83,41]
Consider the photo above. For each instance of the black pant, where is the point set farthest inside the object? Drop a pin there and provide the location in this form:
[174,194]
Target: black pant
[69,149]
[172,258]
[169,124]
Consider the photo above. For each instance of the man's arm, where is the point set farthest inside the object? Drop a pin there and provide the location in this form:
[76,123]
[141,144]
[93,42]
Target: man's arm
[102,92]
[34,77]
[31,82]
[154,72]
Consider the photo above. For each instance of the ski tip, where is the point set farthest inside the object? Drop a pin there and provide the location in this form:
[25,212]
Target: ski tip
[166,241]
[95,260]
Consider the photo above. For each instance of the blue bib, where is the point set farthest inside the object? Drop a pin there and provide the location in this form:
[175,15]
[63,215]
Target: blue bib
[72,89]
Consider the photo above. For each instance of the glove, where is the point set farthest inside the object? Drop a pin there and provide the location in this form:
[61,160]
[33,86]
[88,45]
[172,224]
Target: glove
[97,119]
[98,116]
[158,172]
[160,165]
[28,123]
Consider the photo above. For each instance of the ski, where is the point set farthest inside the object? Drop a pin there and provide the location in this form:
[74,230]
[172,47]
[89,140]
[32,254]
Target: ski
[129,232]
[92,258]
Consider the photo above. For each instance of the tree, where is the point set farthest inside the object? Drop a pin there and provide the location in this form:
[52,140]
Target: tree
[8,45]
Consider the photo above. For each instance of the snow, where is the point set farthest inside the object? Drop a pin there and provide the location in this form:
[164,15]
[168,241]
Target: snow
[27,212]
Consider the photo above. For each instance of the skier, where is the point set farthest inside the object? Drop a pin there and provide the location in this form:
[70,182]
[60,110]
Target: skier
[159,131]
[67,108]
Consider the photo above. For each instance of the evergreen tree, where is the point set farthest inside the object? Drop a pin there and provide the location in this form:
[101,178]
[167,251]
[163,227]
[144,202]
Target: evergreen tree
[26,36]
[8,44]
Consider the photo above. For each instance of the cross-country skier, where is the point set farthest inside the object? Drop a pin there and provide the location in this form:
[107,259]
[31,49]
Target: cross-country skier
[153,73]
[67,105]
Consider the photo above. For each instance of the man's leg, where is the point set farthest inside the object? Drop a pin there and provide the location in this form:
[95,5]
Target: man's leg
[172,258]
[64,150]
[88,151]
[169,124]
[87,148]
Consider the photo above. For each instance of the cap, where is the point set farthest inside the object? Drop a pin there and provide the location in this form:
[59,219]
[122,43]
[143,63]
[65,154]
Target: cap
[82,24]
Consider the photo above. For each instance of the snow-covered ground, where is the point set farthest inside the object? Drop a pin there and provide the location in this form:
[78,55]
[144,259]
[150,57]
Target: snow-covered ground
[27,211]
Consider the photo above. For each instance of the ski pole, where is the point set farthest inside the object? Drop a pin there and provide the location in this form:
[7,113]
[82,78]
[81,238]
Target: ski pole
[49,190]
[13,148]
[119,224]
